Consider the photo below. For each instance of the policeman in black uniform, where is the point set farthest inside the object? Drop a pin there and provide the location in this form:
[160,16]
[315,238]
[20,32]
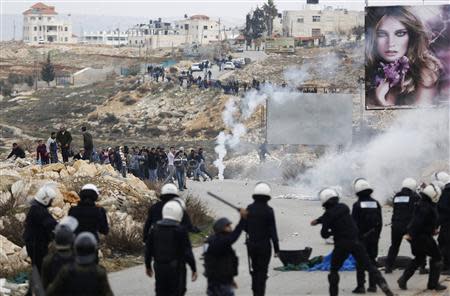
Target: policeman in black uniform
[261,230]
[168,192]
[423,226]
[367,215]
[90,217]
[337,222]
[404,203]
[63,255]
[444,219]
[84,276]
[221,262]
[168,245]
[39,225]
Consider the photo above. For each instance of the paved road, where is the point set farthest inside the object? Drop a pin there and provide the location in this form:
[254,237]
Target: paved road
[293,217]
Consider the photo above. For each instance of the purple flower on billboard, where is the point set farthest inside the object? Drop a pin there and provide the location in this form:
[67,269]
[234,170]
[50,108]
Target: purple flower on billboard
[393,72]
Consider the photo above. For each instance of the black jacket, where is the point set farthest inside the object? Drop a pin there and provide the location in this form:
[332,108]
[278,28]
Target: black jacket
[167,243]
[337,222]
[17,152]
[444,206]
[64,139]
[53,263]
[155,214]
[260,225]
[221,262]
[87,141]
[404,203]
[367,215]
[425,219]
[90,218]
[152,161]
[39,224]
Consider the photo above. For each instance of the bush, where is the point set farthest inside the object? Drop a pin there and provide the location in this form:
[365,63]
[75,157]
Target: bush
[6,90]
[15,78]
[110,119]
[198,211]
[120,241]
[12,227]
[139,210]
[29,80]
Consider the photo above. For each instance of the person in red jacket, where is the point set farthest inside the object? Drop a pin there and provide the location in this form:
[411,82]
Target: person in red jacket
[41,153]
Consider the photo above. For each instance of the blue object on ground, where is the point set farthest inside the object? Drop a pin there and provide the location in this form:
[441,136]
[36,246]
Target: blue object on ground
[349,264]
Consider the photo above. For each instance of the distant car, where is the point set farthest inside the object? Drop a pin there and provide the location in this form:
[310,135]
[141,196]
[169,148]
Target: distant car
[196,67]
[238,49]
[229,66]
[41,40]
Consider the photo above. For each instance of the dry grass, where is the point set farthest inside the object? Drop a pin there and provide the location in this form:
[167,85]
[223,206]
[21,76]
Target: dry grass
[139,210]
[12,227]
[125,242]
[198,211]
[155,186]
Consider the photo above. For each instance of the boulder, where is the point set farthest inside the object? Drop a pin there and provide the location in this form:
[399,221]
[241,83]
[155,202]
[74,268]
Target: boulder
[106,170]
[71,170]
[70,197]
[54,167]
[57,212]
[21,190]
[7,247]
[5,196]
[7,178]
[84,169]
[20,217]
[63,174]
[51,175]
[136,183]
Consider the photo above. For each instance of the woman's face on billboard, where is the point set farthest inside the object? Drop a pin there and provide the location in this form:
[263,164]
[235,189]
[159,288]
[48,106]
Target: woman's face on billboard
[391,39]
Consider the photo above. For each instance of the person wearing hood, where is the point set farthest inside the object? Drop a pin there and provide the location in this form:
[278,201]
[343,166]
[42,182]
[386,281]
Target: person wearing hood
[443,207]
[168,192]
[169,249]
[221,262]
[39,225]
[367,215]
[404,203]
[83,276]
[424,225]
[53,262]
[91,218]
[261,231]
[338,223]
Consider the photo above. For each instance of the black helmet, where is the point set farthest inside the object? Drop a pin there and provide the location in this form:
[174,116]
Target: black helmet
[63,237]
[219,225]
[85,248]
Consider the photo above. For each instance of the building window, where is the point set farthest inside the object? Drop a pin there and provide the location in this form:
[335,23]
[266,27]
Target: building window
[300,20]
[315,32]
[40,18]
[65,29]
[49,18]
[35,38]
[40,28]
[211,27]
[32,18]
[205,27]
[35,28]
[316,18]
[67,39]
[186,26]
[206,37]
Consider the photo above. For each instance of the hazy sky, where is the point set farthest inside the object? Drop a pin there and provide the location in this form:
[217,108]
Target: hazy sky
[233,9]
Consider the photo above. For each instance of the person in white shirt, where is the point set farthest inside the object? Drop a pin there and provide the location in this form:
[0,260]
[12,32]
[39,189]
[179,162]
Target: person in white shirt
[170,166]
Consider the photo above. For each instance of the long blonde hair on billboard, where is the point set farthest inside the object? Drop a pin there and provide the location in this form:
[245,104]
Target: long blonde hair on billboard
[424,66]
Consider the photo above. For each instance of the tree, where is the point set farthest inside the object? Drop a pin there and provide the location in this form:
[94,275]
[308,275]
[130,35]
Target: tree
[270,13]
[358,31]
[48,71]
[247,32]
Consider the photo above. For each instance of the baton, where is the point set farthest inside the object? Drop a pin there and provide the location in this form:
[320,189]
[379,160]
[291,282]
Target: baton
[223,201]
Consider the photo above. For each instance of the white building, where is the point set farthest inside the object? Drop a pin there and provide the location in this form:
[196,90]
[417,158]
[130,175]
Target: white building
[156,34]
[314,23]
[200,29]
[114,38]
[40,25]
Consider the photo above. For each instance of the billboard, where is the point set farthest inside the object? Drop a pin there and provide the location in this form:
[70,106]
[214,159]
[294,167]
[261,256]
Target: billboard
[310,119]
[407,56]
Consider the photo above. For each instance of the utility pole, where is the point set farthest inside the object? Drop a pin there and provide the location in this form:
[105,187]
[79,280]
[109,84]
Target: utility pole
[14,30]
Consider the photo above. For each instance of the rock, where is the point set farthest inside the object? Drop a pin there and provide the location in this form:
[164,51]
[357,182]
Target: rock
[162,128]
[70,197]
[63,174]
[5,196]
[71,170]
[84,169]
[7,178]
[7,247]
[51,175]
[58,213]
[136,183]
[20,217]
[22,162]
[106,170]
[21,190]
[55,167]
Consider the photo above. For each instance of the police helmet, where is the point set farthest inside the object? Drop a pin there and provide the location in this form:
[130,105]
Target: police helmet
[85,248]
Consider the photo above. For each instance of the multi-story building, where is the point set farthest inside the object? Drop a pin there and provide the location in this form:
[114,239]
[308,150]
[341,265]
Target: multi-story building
[315,23]
[200,29]
[153,35]
[40,25]
[115,38]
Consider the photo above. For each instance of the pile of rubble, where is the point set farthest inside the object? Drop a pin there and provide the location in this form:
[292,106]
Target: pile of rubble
[21,179]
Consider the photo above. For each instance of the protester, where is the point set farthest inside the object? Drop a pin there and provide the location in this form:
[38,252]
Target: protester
[41,153]
[404,203]
[17,152]
[169,247]
[367,215]
[180,163]
[64,139]
[39,225]
[170,165]
[261,231]
[79,155]
[337,222]
[423,227]
[84,276]
[221,262]
[88,144]
[52,148]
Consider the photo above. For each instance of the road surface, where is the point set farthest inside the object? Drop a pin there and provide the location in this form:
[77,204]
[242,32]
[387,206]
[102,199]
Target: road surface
[293,217]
